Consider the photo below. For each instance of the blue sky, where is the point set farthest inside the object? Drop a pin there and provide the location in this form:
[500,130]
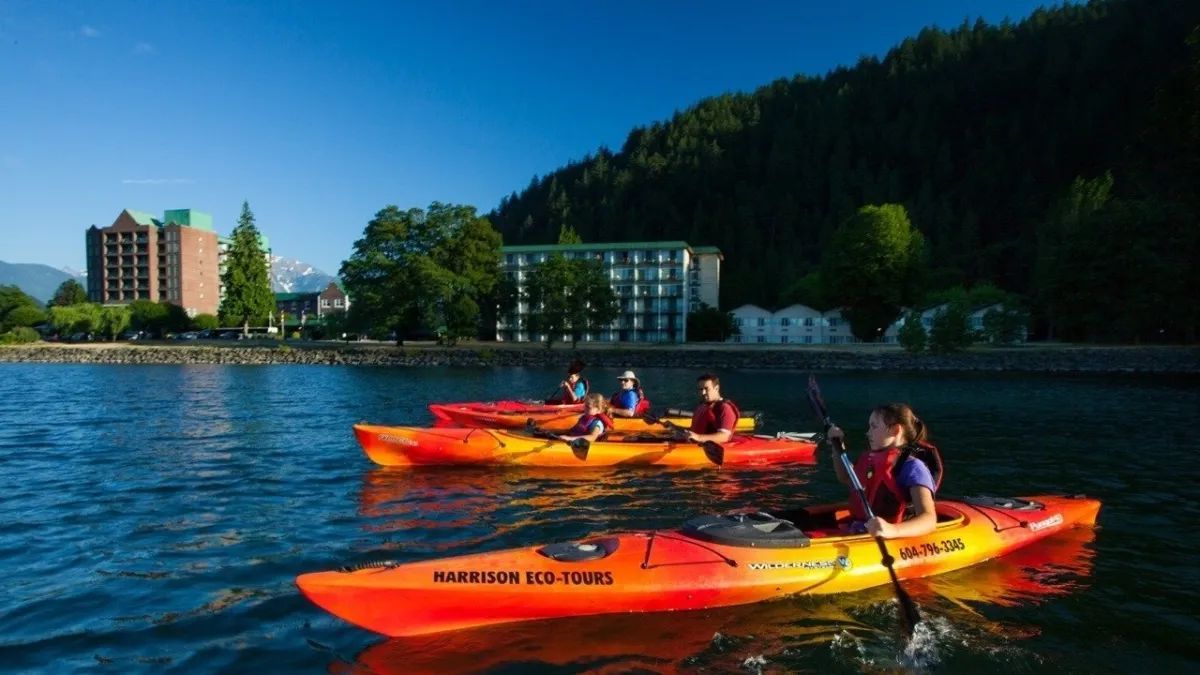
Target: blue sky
[320,114]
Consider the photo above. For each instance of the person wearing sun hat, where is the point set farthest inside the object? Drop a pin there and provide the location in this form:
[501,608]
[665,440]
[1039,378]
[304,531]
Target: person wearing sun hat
[630,400]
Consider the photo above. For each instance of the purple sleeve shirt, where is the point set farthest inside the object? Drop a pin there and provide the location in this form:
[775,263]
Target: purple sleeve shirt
[914,473]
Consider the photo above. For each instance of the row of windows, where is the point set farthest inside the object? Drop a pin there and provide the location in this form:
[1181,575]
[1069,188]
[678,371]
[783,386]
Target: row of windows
[604,336]
[831,321]
[611,257]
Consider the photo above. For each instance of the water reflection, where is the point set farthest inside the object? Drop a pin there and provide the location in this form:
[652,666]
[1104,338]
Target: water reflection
[856,630]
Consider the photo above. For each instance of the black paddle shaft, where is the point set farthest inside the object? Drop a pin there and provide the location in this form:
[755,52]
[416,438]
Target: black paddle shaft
[908,609]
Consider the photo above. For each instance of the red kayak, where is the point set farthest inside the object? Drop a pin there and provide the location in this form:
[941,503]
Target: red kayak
[404,446]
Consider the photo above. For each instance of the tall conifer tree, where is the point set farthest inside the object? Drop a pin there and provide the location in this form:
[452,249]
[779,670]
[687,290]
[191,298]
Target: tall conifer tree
[247,280]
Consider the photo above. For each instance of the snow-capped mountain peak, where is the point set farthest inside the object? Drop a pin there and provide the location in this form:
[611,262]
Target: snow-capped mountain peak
[289,275]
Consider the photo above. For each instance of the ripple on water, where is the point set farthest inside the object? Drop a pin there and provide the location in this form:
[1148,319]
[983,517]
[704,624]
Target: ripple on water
[154,519]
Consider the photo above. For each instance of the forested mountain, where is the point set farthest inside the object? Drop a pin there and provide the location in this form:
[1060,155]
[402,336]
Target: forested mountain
[977,131]
[39,281]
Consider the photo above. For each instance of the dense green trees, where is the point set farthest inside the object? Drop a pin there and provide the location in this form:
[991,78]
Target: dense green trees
[156,318]
[69,292]
[424,272]
[976,131]
[873,267]
[912,336]
[569,296]
[247,279]
[709,324]
[18,314]
[1118,269]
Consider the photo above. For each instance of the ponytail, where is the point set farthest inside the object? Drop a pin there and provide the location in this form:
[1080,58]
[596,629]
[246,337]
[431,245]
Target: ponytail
[901,414]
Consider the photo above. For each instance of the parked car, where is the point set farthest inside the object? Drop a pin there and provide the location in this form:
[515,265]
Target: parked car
[190,335]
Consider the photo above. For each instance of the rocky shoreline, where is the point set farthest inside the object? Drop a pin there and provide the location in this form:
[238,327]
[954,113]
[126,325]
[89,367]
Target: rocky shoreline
[1047,359]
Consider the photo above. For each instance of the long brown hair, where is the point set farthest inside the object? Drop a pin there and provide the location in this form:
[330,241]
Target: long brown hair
[892,414]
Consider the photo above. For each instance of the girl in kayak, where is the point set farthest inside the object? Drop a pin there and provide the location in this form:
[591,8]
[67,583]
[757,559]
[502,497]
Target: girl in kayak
[630,400]
[593,423]
[900,473]
[573,388]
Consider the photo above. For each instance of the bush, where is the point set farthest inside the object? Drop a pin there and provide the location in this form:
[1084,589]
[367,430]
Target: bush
[950,332]
[205,322]
[19,335]
[1005,325]
[912,334]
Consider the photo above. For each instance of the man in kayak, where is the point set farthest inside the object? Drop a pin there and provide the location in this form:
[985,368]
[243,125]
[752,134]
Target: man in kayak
[716,417]
[900,473]
[630,400]
[573,388]
[593,423]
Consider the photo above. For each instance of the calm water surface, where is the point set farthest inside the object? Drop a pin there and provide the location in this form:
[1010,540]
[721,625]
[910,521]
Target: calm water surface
[153,519]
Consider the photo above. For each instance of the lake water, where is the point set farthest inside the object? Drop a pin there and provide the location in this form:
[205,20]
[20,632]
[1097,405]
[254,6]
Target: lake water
[153,519]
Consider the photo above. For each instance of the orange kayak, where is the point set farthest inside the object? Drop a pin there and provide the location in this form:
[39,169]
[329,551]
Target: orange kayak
[399,446]
[516,414]
[711,561]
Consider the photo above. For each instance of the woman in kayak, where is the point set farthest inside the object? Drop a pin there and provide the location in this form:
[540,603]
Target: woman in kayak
[630,400]
[593,423]
[900,473]
[573,388]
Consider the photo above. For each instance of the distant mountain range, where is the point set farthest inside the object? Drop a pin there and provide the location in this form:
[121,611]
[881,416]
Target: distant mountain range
[38,281]
[288,275]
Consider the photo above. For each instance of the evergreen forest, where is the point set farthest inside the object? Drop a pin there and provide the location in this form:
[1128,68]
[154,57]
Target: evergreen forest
[1056,157]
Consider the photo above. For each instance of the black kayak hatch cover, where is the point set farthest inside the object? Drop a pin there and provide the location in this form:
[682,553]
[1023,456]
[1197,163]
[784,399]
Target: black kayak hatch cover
[750,530]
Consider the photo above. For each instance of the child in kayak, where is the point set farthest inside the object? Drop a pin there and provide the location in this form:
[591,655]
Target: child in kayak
[593,423]
[630,400]
[716,417]
[900,473]
[573,388]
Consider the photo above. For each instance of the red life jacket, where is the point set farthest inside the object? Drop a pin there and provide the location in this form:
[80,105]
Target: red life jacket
[583,426]
[565,394]
[642,407]
[704,419]
[877,470]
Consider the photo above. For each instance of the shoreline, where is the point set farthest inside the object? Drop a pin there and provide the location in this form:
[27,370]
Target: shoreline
[1024,358]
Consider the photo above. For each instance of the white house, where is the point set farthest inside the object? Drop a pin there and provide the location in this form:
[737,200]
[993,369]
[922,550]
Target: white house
[795,324]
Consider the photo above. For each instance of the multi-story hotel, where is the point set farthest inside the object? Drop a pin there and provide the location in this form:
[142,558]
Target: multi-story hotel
[656,282]
[139,257]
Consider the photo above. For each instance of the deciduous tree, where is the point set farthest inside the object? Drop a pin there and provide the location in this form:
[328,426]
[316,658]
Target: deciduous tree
[873,267]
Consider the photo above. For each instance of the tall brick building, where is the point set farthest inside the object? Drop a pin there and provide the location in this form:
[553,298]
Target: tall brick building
[138,257]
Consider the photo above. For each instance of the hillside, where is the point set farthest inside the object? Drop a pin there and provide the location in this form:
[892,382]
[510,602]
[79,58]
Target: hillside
[976,130]
[39,281]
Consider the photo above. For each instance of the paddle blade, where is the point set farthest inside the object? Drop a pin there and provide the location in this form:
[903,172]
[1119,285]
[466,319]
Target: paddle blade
[815,399]
[580,447]
[714,452]
[649,418]
[908,609]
